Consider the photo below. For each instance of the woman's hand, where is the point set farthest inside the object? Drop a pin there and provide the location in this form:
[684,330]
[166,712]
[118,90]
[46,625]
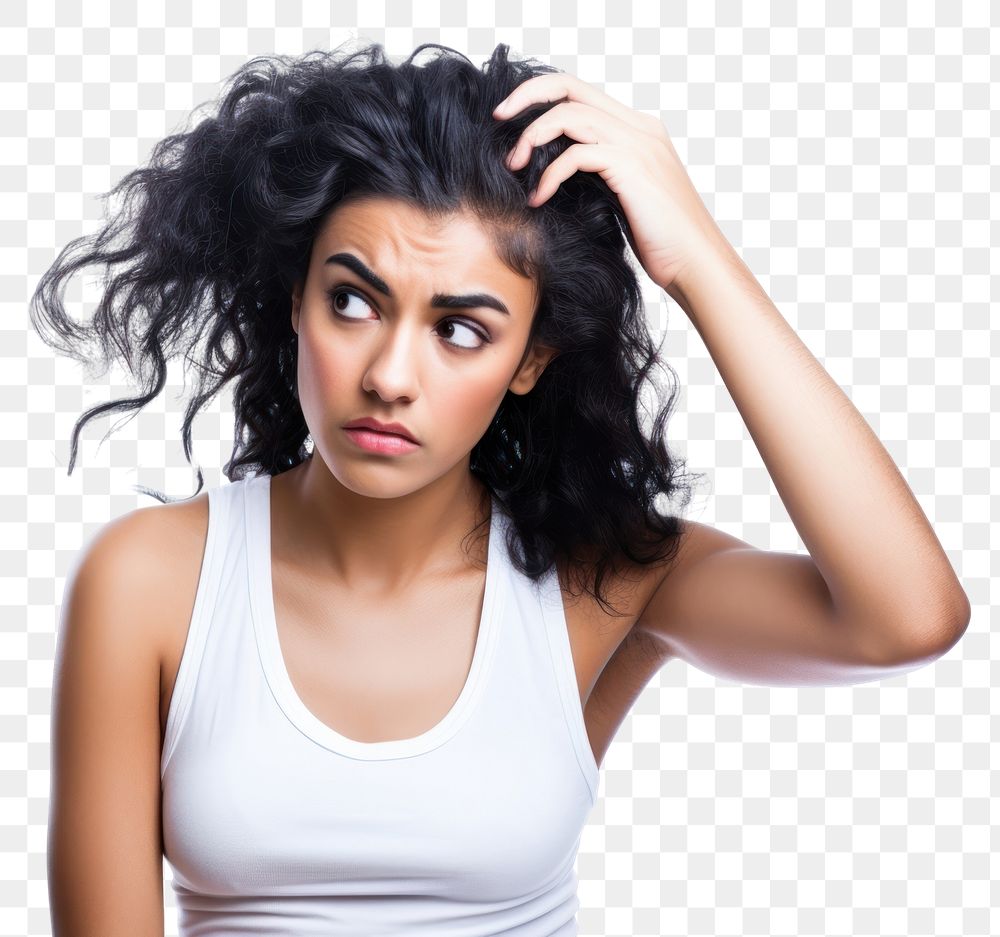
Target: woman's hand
[671,227]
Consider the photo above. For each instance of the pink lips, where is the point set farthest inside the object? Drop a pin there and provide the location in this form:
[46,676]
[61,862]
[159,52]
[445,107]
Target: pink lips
[383,443]
[371,423]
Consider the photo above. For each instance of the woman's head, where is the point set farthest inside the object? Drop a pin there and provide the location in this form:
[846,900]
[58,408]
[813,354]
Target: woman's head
[221,243]
[412,319]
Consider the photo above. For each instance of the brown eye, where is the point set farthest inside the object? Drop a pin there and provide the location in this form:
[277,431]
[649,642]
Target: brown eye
[339,300]
[478,338]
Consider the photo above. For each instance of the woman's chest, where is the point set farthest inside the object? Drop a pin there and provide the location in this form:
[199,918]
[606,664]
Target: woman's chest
[376,667]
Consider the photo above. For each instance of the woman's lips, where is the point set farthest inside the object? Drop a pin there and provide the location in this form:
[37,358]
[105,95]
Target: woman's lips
[382,443]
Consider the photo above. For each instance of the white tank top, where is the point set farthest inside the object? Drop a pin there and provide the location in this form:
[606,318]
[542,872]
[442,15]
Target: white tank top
[273,823]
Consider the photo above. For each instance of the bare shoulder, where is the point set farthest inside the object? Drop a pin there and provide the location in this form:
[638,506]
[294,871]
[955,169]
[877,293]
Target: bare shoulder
[153,554]
[633,586]
[697,541]
[141,534]
[665,582]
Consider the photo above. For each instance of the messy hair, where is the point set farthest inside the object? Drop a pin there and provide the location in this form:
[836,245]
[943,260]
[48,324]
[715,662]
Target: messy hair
[214,231]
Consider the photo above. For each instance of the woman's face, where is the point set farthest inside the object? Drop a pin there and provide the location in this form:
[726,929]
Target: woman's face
[399,355]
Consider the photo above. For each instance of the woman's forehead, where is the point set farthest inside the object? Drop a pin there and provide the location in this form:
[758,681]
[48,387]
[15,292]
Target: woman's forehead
[391,236]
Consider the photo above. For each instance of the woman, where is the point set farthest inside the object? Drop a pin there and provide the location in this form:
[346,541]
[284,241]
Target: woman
[386,662]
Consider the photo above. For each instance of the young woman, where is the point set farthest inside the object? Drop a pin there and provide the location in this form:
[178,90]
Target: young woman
[366,686]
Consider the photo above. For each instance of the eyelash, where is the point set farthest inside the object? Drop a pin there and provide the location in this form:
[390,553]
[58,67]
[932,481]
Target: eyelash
[335,291]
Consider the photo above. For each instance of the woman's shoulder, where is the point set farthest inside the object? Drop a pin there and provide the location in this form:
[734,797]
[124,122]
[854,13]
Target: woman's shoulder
[149,541]
[149,560]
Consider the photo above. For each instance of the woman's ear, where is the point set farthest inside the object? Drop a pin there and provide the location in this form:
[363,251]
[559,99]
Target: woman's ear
[534,363]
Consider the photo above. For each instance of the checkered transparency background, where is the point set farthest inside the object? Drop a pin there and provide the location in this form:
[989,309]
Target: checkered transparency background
[846,151]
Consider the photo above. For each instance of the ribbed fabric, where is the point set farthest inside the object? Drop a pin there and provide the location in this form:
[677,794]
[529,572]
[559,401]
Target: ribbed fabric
[274,823]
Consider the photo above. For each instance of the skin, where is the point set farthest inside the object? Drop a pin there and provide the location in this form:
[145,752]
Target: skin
[376,522]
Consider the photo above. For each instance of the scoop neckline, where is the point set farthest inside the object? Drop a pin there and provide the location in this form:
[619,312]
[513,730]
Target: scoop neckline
[257,507]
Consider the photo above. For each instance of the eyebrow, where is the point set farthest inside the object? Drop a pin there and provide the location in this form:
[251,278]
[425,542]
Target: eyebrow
[441,300]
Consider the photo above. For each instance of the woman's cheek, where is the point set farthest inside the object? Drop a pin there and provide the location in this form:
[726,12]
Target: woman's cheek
[322,382]
[473,409]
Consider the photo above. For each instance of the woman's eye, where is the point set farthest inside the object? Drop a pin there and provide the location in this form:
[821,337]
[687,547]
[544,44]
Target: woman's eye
[340,295]
[477,338]
[336,295]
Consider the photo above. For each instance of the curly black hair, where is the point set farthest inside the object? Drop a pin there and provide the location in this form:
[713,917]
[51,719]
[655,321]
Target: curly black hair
[214,231]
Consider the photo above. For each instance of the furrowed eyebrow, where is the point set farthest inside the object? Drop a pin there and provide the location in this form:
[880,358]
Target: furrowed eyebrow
[441,300]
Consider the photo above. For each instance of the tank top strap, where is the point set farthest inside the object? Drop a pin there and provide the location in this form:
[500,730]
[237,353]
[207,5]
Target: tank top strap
[223,513]
[549,592]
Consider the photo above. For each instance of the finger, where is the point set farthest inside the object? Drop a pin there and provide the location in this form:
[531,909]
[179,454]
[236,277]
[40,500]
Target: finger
[578,121]
[558,86]
[588,157]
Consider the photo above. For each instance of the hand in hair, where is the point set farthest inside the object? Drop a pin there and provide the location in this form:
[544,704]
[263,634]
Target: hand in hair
[670,226]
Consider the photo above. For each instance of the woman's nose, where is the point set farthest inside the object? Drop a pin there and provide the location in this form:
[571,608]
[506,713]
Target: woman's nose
[392,371]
